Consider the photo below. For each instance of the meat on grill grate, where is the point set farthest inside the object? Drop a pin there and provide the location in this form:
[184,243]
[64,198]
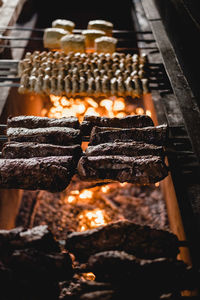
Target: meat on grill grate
[151,135]
[50,135]
[41,122]
[29,150]
[139,170]
[48,173]
[124,148]
[141,241]
[136,121]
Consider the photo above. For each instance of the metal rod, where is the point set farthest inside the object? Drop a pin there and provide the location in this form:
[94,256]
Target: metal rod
[75,30]
[13,38]
[8,63]
[9,84]
[13,79]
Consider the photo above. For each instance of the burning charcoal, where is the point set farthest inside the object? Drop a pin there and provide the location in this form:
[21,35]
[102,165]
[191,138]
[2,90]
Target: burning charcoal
[123,148]
[36,265]
[136,121]
[41,122]
[52,135]
[151,135]
[156,276]
[48,173]
[141,241]
[139,170]
[29,150]
[77,287]
[38,237]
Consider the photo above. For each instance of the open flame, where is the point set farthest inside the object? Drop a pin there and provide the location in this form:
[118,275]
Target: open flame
[78,107]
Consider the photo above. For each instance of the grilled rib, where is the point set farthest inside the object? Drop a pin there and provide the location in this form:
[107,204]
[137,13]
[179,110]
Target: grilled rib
[141,241]
[136,121]
[52,135]
[41,122]
[29,150]
[139,170]
[124,148]
[151,135]
[48,173]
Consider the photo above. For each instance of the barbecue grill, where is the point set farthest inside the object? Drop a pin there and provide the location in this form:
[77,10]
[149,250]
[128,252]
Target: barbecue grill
[144,28]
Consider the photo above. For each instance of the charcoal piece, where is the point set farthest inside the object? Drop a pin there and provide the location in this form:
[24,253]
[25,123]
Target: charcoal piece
[136,121]
[159,276]
[99,295]
[123,148]
[36,265]
[29,150]
[139,170]
[141,241]
[76,287]
[38,237]
[41,122]
[151,135]
[52,135]
[48,173]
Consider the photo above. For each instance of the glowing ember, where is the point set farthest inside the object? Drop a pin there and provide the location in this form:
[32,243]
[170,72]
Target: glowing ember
[71,199]
[148,113]
[88,276]
[89,219]
[139,111]
[157,184]
[78,107]
[105,189]
[86,194]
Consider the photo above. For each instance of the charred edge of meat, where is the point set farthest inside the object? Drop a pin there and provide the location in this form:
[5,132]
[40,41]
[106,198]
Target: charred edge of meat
[157,135]
[126,149]
[41,122]
[139,170]
[47,173]
[29,150]
[51,135]
[137,121]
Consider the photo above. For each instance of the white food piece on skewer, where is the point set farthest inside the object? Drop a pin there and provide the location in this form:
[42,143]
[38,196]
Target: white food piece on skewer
[64,24]
[52,36]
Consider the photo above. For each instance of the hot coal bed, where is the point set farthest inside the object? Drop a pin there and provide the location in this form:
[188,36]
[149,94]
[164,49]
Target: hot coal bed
[119,256]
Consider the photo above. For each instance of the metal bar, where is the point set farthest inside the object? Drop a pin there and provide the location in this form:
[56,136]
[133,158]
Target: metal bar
[9,84]
[13,38]
[75,30]
[8,63]
[13,79]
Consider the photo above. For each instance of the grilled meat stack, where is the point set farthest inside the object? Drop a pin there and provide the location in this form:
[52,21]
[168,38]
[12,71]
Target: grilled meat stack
[42,153]
[84,74]
[124,150]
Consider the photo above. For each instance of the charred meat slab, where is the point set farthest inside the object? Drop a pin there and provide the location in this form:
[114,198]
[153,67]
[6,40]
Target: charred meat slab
[141,241]
[136,121]
[52,135]
[48,173]
[41,122]
[124,148]
[139,170]
[151,135]
[29,150]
